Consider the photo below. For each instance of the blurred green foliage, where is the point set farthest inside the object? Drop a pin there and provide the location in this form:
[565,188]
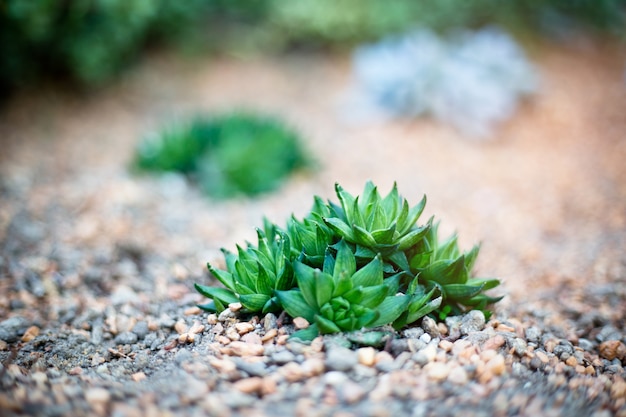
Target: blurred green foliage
[229,155]
[89,41]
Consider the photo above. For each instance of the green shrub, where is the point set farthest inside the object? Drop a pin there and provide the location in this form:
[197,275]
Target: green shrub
[362,263]
[229,155]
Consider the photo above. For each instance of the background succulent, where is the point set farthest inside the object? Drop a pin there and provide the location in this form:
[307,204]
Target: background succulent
[472,80]
[229,155]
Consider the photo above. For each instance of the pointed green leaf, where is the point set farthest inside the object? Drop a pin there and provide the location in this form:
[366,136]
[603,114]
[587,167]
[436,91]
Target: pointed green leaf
[373,296]
[210,307]
[414,214]
[340,227]
[399,259]
[362,236]
[294,304]
[264,283]
[470,257]
[344,261]
[366,319]
[223,294]
[446,272]
[385,236]
[370,274]
[342,285]
[412,237]
[461,292]
[326,326]
[324,288]
[355,295]
[489,283]
[424,310]
[390,309]
[226,278]
[254,302]
[306,335]
[306,277]
[347,324]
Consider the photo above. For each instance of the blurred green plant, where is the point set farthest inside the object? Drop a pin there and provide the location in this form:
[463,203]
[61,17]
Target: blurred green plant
[362,263]
[90,41]
[233,154]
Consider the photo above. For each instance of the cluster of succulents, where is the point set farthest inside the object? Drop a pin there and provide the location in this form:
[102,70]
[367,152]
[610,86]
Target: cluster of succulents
[229,155]
[362,263]
[471,80]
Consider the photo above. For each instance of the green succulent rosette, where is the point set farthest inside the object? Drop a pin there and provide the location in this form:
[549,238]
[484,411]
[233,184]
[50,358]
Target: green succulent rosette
[252,275]
[342,298]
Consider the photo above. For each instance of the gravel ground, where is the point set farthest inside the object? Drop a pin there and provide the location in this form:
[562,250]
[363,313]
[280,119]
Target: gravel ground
[97,308]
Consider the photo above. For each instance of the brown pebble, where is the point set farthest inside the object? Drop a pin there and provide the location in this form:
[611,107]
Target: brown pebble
[269,335]
[246,349]
[571,361]
[300,323]
[251,338]
[542,357]
[77,370]
[192,311]
[580,369]
[292,372]
[494,343]
[505,328]
[437,371]
[30,334]
[235,307]
[3,345]
[446,345]
[313,367]
[180,327]
[366,356]
[282,340]
[223,340]
[97,396]
[232,334]
[268,386]
[196,328]
[618,389]
[496,365]
[612,349]
[249,385]
[223,365]
[212,319]
[138,376]
[244,327]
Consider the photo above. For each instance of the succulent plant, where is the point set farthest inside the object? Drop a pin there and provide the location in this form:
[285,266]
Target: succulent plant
[443,269]
[229,155]
[377,225]
[471,80]
[359,264]
[252,276]
[341,297]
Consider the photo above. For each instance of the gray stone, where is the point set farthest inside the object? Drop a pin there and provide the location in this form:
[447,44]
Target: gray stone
[585,344]
[282,357]
[251,368]
[126,338]
[430,327]
[269,322]
[474,321]
[12,329]
[341,359]
[141,329]
[533,335]
[413,332]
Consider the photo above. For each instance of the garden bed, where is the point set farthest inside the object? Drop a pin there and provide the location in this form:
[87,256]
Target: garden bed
[97,307]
